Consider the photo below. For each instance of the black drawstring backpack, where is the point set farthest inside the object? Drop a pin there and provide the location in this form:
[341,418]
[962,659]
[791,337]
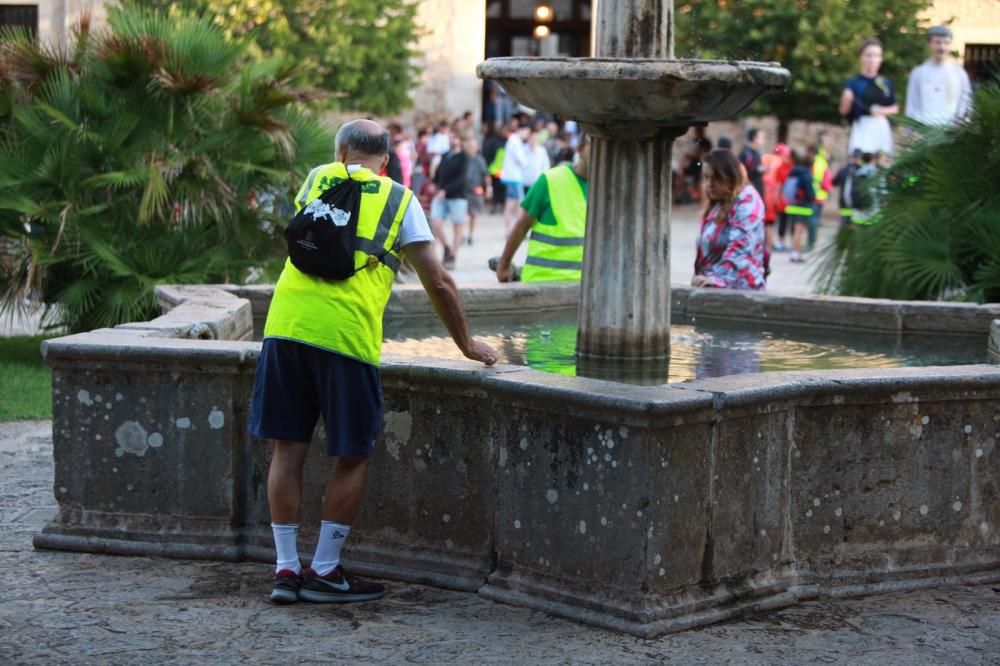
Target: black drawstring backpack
[322,237]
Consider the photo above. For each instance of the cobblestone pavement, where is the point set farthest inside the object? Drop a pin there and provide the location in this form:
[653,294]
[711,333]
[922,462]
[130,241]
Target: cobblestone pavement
[70,608]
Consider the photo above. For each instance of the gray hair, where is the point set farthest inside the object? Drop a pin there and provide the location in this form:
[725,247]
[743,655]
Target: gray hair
[939,31]
[359,141]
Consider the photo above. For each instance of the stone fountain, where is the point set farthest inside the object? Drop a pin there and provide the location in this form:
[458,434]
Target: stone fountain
[633,99]
[641,509]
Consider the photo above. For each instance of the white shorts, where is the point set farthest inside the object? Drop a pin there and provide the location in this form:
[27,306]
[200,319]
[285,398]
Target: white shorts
[871,134]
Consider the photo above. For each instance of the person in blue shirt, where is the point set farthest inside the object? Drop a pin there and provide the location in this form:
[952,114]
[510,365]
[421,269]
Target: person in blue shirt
[867,101]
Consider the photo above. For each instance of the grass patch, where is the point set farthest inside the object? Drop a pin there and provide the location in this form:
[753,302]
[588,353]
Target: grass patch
[25,381]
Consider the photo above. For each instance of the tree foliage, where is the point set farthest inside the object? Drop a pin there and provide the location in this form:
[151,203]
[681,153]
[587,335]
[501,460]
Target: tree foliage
[937,235]
[359,51]
[817,40]
[137,157]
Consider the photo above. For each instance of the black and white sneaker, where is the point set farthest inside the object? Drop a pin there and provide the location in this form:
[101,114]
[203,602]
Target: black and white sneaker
[286,587]
[338,587]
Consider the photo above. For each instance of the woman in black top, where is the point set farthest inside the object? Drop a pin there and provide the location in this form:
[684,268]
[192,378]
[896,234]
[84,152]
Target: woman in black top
[867,101]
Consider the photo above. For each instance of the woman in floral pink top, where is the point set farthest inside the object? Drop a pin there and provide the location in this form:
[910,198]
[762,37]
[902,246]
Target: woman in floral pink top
[731,242]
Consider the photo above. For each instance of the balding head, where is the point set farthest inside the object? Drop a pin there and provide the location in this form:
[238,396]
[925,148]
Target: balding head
[362,139]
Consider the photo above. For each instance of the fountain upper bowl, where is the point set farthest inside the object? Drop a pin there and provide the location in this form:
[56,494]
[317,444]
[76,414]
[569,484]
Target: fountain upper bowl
[632,93]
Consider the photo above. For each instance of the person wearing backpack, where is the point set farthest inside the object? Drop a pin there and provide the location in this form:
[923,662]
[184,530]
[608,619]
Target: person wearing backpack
[859,190]
[798,194]
[845,173]
[322,346]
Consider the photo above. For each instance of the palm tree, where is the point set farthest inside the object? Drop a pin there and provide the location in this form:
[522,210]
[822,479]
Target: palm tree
[140,156]
[937,233]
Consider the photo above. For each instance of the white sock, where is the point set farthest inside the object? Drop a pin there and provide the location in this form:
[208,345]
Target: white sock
[284,543]
[331,539]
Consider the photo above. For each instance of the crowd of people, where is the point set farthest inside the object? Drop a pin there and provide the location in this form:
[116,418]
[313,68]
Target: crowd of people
[459,173]
[792,185]
[778,195]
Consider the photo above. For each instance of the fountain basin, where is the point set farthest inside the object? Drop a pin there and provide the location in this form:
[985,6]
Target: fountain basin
[643,509]
[638,96]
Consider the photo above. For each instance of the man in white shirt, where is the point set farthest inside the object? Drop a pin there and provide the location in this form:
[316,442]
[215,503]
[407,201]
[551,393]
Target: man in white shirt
[439,144]
[537,161]
[939,92]
[515,161]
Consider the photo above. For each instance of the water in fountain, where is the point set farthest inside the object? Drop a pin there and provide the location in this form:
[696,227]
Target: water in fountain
[700,349]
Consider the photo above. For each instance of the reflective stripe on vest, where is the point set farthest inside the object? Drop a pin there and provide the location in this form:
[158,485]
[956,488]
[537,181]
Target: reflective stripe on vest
[344,316]
[847,212]
[555,253]
[799,210]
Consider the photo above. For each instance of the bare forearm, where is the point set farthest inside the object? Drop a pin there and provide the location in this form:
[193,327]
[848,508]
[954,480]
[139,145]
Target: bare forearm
[846,100]
[515,238]
[443,292]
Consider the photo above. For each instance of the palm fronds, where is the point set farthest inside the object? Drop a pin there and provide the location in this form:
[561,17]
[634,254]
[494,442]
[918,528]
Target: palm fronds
[133,159]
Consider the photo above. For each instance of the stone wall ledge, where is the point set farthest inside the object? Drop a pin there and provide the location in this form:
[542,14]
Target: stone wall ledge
[893,385]
[131,346]
[408,301]
[525,385]
[202,312]
[838,312]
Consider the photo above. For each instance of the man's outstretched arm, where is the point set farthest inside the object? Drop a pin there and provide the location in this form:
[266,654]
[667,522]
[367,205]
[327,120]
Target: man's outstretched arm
[514,240]
[443,292]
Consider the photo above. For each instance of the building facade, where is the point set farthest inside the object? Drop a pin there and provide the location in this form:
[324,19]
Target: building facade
[51,20]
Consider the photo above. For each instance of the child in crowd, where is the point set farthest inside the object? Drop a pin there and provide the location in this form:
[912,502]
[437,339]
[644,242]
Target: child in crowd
[822,185]
[843,177]
[798,194]
[777,166]
[862,189]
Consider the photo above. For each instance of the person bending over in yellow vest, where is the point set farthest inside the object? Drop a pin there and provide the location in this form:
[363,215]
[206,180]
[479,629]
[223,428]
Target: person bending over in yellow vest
[555,211]
[321,351]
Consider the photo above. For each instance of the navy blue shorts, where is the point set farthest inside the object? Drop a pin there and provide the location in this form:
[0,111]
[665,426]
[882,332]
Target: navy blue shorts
[297,382]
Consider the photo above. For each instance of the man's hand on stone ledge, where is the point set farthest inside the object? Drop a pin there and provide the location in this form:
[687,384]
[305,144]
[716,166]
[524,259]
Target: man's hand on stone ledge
[482,352]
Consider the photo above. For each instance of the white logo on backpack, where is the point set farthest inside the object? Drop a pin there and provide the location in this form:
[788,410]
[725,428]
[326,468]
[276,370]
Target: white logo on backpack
[317,209]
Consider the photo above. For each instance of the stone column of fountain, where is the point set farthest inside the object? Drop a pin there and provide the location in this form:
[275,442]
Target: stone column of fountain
[634,99]
[625,299]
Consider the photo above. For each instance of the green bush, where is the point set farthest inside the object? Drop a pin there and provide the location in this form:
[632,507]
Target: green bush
[937,233]
[141,156]
[361,53]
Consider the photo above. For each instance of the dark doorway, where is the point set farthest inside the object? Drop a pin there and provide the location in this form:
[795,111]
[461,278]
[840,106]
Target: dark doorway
[511,31]
[982,62]
[20,16]
[510,28]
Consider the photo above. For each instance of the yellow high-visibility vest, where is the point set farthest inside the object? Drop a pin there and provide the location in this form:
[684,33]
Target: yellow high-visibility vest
[496,167]
[820,167]
[344,316]
[555,253]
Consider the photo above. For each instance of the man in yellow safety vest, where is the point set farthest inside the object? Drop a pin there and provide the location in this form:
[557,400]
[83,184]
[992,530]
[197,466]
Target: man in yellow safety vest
[555,212]
[320,355]
[822,183]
